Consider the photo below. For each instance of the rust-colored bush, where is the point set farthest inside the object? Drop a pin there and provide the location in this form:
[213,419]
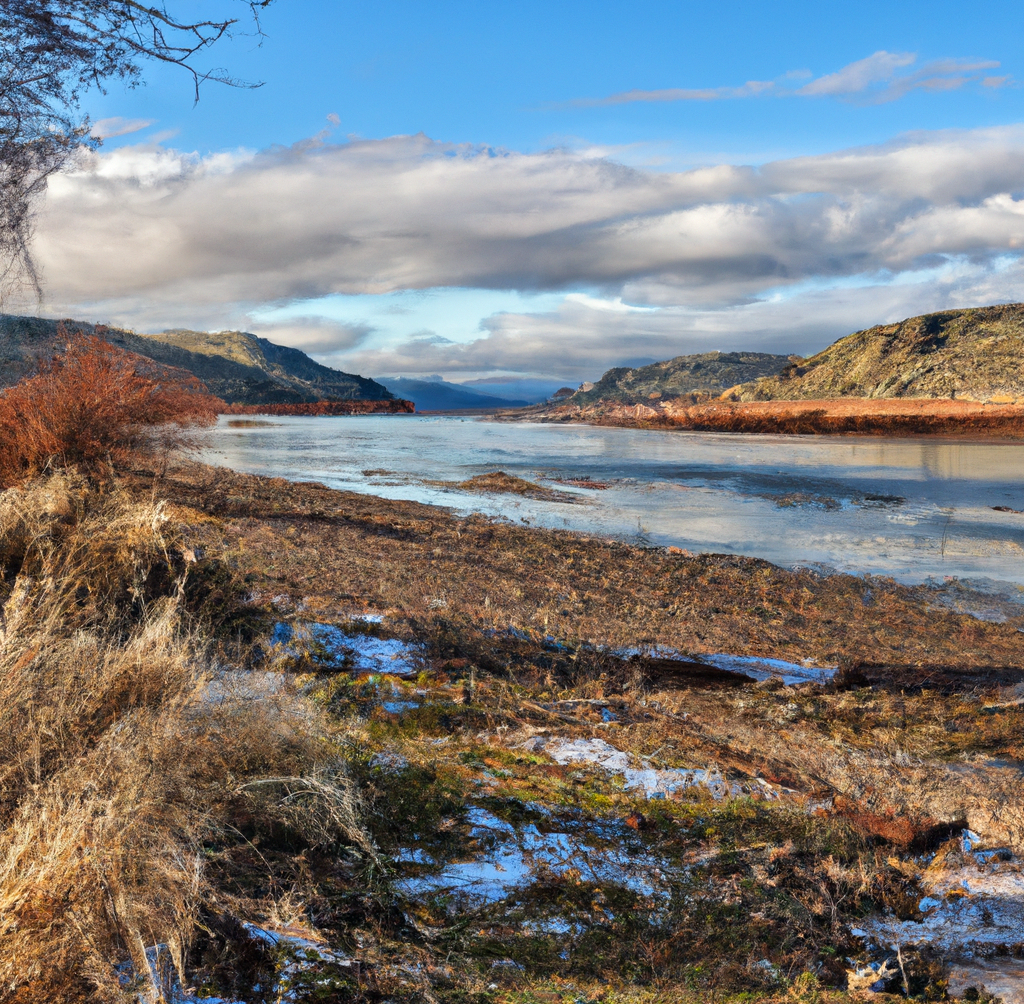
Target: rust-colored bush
[96,404]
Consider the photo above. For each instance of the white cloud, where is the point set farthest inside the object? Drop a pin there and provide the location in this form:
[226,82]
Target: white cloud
[616,306]
[881,67]
[882,76]
[313,334]
[751,89]
[648,263]
[118,126]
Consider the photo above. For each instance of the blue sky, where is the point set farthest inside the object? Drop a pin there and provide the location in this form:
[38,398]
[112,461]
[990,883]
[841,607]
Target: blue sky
[507,74]
[592,183]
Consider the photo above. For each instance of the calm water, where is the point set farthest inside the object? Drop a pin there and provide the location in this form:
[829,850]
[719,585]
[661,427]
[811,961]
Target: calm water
[913,509]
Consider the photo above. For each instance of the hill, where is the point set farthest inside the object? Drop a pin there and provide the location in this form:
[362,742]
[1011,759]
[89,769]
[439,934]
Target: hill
[237,366]
[435,394]
[975,355]
[533,390]
[703,374]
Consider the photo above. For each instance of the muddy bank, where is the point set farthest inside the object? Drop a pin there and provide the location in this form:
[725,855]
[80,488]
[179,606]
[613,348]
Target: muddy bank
[312,542]
[900,417]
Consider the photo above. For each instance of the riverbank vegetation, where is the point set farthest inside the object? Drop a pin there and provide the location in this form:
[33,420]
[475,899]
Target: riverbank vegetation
[837,416]
[262,738]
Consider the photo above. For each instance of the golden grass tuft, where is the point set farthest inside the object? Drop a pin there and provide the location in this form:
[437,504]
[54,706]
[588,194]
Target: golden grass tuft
[120,759]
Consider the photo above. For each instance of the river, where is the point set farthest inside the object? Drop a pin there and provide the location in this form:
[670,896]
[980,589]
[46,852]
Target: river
[917,509]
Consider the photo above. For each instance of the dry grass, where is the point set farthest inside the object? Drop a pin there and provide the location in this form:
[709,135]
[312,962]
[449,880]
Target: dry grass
[117,765]
[157,787]
[499,481]
[892,752]
[330,407]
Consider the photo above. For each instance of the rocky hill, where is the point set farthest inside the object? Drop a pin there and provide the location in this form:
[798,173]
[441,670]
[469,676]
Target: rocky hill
[704,374]
[975,354]
[237,366]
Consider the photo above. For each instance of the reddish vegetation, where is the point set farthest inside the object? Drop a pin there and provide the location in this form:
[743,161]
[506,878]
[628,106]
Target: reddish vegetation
[95,403]
[898,417]
[323,408]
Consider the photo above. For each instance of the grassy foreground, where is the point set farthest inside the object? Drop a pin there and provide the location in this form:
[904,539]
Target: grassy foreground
[170,775]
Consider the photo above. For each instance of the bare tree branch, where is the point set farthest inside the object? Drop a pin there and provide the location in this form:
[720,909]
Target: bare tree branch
[51,53]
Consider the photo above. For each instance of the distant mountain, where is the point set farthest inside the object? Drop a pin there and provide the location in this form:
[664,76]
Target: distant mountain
[707,373]
[435,394]
[528,389]
[237,366]
[975,354]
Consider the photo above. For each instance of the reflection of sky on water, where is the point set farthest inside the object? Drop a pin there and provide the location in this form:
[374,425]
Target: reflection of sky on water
[909,508]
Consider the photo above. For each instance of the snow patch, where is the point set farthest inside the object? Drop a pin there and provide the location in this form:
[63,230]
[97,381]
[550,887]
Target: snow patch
[354,650]
[755,666]
[162,981]
[974,904]
[1002,978]
[512,859]
[637,773]
[760,669]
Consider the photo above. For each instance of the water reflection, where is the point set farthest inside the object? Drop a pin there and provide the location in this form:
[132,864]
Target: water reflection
[909,508]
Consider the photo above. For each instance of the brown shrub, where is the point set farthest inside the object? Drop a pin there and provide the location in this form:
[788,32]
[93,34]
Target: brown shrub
[96,404]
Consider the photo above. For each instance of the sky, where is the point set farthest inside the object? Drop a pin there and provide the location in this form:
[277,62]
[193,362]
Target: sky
[496,191]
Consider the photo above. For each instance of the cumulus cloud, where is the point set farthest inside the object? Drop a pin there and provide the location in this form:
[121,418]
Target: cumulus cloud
[153,237]
[882,76]
[374,216]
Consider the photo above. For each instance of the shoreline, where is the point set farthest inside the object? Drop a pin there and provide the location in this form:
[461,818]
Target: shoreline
[899,418]
[317,409]
[435,543]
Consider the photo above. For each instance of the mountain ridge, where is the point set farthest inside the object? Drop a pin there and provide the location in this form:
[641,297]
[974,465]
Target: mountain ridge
[702,374]
[440,395]
[239,367]
[974,354]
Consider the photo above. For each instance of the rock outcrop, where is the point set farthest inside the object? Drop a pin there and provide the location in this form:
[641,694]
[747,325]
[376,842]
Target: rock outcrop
[975,354]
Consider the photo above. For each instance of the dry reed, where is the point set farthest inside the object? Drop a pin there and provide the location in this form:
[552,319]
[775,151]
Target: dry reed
[119,761]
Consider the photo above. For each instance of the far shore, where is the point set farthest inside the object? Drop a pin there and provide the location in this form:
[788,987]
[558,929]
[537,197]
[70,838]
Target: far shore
[320,408]
[885,417]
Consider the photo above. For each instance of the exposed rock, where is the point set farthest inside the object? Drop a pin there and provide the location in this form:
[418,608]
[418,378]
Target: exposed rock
[972,354]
